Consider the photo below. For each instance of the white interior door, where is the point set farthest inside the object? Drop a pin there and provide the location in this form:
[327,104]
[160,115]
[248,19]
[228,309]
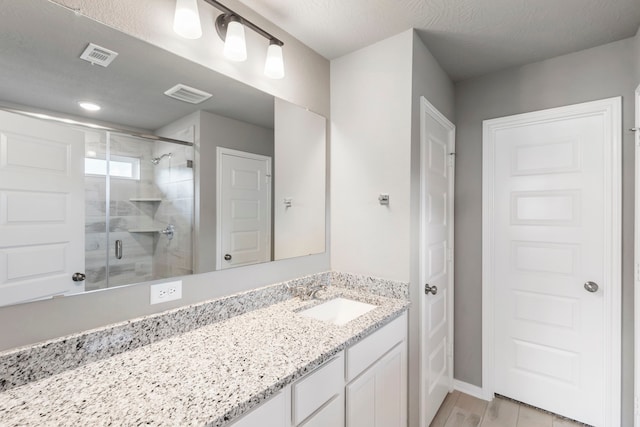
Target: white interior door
[437,176]
[244,208]
[554,259]
[41,208]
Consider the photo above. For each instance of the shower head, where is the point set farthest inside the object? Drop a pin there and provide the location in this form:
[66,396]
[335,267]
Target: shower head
[156,160]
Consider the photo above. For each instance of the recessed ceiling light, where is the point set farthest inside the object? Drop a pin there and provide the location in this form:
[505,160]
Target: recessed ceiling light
[89,106]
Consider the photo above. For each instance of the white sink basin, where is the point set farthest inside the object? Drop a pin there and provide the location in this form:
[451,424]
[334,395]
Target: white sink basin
[338,311]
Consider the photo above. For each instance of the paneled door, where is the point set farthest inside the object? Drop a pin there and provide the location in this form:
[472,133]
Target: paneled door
[552,259]
[41,209]
[436,259]
[243,208]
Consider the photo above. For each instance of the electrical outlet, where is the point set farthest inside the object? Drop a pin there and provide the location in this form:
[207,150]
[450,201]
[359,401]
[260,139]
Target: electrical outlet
[163,292]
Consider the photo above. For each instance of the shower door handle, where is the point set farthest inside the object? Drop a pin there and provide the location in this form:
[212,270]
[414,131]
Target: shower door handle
[118,249]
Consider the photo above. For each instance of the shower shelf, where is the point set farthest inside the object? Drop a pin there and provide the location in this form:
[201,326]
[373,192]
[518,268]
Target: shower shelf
[145,199]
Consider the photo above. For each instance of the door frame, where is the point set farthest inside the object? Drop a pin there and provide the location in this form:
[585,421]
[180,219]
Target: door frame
[220,152]
[427,108]
[636,273]
[610,109]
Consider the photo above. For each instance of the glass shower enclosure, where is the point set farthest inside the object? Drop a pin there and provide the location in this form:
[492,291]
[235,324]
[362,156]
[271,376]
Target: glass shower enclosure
[139,207]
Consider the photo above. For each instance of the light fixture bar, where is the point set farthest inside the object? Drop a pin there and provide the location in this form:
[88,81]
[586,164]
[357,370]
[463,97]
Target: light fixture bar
[245,22]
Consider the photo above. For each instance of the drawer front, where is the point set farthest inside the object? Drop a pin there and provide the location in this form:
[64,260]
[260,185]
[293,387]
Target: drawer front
[363,354]
[318,388]
[331,415]
[272,413]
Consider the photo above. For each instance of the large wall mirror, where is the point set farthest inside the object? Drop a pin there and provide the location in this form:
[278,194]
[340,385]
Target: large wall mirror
[180,171]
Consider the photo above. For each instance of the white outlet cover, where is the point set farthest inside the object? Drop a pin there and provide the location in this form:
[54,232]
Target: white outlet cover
[164,292]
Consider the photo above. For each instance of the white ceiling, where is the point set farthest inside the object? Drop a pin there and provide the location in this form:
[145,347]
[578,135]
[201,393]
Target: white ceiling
[468,37]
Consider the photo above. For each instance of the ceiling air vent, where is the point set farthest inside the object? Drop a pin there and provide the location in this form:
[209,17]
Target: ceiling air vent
[98,55]
[188,94]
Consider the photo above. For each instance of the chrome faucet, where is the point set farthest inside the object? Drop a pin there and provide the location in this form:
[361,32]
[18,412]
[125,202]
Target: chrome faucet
[307,292]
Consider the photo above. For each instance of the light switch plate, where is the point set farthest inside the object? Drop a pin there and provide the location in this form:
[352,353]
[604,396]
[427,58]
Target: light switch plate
[163,292]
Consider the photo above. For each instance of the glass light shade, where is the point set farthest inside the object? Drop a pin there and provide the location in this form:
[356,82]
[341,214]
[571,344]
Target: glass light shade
[235,47]
[186,21]
[274,65]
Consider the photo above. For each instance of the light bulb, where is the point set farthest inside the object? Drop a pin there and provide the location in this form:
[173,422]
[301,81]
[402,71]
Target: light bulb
[89,106]
[235,47]
[186,21]
[274,65]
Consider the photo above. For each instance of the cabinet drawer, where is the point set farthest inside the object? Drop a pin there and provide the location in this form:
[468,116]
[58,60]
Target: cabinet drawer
[331,415]
[272,413]
[317,388]
[363,354]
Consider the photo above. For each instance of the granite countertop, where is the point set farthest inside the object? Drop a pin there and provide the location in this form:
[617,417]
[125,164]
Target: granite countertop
[208,376]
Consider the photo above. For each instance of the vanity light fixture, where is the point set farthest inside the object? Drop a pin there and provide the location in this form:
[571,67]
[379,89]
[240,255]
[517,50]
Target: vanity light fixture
[186,21]
[230,27]
[274,65]
[231,30]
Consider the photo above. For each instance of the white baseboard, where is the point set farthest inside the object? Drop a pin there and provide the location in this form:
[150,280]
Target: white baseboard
[470,389]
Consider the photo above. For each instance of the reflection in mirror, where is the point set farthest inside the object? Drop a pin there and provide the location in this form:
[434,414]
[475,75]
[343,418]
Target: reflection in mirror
[155,187]
[148,188]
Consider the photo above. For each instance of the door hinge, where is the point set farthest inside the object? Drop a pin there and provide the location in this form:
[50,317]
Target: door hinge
[450,254]
[637,272]
[452,159]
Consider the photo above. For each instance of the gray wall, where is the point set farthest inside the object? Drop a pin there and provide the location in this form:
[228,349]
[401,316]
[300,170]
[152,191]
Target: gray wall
[637,55]
[428,80]
[592,74]
[370,154]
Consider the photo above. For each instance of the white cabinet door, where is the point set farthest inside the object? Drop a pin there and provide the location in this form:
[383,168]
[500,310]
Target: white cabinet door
[361,398]
[319,387]
[331,415]
[272,413]
[378,398]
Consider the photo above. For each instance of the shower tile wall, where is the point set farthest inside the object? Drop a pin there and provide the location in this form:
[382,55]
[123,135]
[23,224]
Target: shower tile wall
[168,190]
[175,180]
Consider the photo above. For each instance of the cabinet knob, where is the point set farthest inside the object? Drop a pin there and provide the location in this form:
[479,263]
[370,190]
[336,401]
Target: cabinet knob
[78,277]
[227,257]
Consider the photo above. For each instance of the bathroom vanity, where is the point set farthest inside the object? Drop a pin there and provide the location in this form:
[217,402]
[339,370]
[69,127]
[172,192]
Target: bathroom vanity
[364,385]
[260,361]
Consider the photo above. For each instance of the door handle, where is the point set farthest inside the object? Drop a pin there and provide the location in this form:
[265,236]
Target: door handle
[430,289]
[78,277]
[591,287]
[227,257]
[118,249]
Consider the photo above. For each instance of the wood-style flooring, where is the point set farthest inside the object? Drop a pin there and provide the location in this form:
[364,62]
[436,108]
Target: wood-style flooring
[462,410]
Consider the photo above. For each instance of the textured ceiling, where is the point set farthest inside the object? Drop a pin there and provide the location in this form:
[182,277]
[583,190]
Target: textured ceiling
[468,37]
